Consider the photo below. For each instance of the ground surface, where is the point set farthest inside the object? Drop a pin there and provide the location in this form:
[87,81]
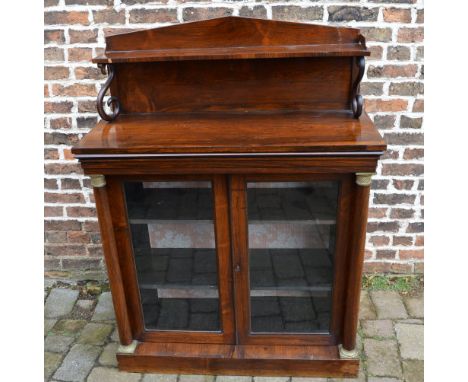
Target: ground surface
[81,339]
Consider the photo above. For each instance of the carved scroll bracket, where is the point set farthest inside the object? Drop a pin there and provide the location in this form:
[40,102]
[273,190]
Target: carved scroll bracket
[356,99]
[112,102]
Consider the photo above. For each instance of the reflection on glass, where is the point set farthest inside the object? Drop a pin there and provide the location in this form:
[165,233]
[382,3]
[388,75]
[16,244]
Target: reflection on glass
[173,243]
[291,250]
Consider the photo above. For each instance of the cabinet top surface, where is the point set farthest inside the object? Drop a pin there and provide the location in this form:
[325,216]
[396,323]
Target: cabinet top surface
[231,133]
[232,38]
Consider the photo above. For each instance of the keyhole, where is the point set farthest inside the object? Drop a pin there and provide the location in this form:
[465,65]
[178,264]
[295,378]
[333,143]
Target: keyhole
[237,268]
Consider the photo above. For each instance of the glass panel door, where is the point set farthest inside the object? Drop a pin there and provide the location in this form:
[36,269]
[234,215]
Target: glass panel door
[173,238]
[291,254]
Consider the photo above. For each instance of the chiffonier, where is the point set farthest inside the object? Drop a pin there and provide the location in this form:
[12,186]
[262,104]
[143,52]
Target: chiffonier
[231,171]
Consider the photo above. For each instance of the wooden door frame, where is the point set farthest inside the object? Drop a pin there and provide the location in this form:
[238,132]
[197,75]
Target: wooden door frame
[122,233]
[239,240]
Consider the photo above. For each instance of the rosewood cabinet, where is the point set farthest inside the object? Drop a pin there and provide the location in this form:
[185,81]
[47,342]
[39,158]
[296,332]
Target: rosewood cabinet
[231,174]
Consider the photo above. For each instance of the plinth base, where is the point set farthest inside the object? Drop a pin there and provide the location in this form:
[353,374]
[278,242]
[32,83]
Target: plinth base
[173,358]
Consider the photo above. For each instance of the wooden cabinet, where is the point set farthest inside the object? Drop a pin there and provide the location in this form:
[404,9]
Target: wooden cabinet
[231,174]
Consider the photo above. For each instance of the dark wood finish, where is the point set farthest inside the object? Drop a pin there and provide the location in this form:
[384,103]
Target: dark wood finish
[232,100]
[232,38]
[233,165]
[239,229]
[111,253]
[355,264]
[232,133]
[313,361]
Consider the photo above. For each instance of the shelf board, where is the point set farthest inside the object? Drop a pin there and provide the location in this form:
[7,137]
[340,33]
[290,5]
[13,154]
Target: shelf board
[215,133]
[233,52]
[197,291]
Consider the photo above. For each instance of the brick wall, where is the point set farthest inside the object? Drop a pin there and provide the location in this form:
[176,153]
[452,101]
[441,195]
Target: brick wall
[393,86]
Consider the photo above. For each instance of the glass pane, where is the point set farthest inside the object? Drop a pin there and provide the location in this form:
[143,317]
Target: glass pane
[174,246]
[291,252]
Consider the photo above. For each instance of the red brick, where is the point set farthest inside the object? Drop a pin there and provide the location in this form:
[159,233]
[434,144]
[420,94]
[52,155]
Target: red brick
[58,107]
[75,90]
[397,15]
[50,212]
[50,184]
[91,226]
[401,213]
[377,213]
[419,267]
[51,154]
[109,16]
[87,73]
[54,36]
[54,54]
[400,169]
[85,36]
[379,241]
[193,14]
[385,254]
[420,16]
[392,71]
[383,226]
[402,240]
[67,154]
[380,105]
[80,54]
[413,154]
[153,16]
[95,251]
[419,241]
[60,123]
[62,225]
[66,18]
[376,52]
[403,184]
[75,197]
[387,267]
[81,264]
[56,73]
[81,211]
[377,34]
[411,34]
[418,106]
[70,184]
[409,254]
[65,250]
[63,168]
[77,237]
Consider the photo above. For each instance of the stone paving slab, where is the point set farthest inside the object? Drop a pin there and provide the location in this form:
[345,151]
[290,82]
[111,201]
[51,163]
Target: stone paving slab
[378,328]
[388,304]
[415,306]
[105,374]
[411,340]
[160,378]
[82,347]
[413,370]
[60,302]
[77,363]
[104,310]
[382,358]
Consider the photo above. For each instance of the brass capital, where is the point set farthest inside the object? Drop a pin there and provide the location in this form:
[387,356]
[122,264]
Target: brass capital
[364,178]
[98,180]
[128,349]
[348,354]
